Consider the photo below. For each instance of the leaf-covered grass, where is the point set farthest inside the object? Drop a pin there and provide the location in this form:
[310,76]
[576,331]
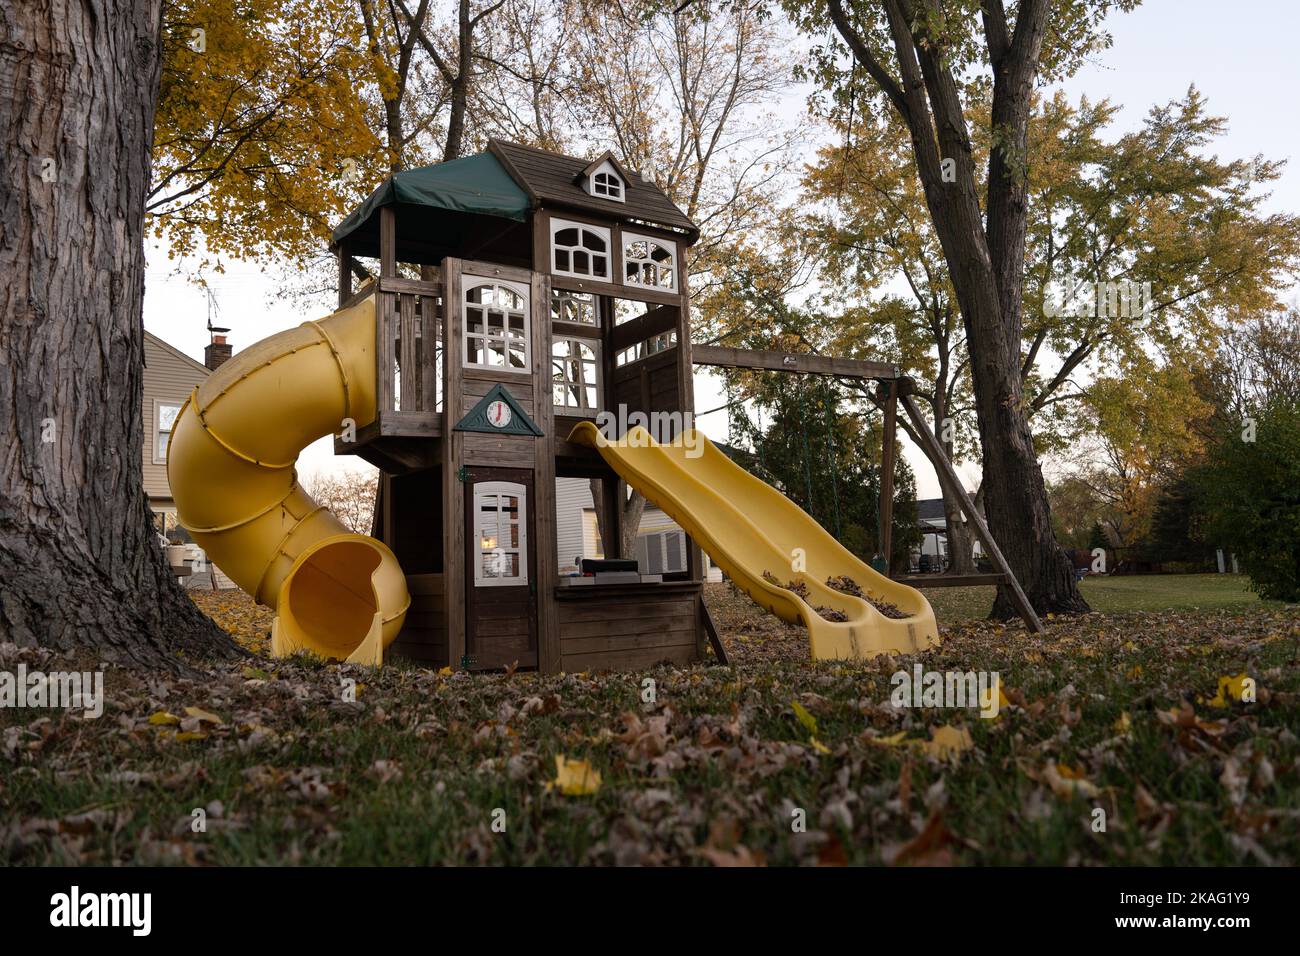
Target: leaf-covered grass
[1110,711]
[1146,592]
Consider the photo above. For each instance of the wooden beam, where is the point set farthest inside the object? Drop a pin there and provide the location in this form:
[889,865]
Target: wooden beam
[887,448]
[359,294]
[711,630]
[660,319]
[412,286]
[638,293]
[950,580]
[387,242]
[948,478]
[723,357]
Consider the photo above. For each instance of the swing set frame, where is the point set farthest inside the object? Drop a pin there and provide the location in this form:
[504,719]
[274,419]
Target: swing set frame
[892,390]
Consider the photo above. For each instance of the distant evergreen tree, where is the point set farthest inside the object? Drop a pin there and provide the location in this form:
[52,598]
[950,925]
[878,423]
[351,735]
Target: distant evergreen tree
[815,449]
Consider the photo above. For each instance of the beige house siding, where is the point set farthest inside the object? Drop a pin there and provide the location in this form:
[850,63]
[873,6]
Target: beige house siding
[169,377]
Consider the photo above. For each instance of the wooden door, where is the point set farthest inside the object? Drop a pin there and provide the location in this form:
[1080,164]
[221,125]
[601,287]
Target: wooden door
[500,568]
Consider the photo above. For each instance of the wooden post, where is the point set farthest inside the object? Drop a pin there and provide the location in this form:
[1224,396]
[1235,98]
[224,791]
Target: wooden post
[887,451]
[386,313]
[686,399]
[948,478]
[613,494]
[345,274]
[546,571]
[453,459]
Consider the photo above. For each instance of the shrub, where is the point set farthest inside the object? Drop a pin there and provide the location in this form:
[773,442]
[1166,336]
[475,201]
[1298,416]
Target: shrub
[1250,492]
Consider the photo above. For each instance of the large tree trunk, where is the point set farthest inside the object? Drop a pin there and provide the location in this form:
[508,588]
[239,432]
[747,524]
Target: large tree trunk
[79,566]
[986,263]
[633,509]
[961,543]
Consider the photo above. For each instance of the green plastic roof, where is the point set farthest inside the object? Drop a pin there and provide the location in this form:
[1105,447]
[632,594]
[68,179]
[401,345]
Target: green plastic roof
[476,184]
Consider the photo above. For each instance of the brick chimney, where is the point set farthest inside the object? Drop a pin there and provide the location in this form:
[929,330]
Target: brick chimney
[216,354]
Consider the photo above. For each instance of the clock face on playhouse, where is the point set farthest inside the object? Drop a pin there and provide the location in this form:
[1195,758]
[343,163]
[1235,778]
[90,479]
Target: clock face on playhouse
[498,414]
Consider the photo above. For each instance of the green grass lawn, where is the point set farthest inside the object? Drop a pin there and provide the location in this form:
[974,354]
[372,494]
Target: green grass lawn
[1138,592]
[1113,712]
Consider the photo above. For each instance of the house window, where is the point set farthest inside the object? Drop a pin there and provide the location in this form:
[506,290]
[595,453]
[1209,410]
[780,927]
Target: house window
[577,307]
[608,185]
[574,370]
[647,261]
[165,415]
[501,533]
[579,250]
[496,324]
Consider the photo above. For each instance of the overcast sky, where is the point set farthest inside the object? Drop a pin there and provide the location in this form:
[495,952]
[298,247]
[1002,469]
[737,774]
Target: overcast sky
[1241,56]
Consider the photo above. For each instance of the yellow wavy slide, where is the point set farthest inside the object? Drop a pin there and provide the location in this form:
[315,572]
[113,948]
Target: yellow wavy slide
[230,463]
[759,537]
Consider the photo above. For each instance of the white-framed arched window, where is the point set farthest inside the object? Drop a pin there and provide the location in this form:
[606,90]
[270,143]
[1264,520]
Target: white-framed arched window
[579,250]
[500,534]
[496,324]
[649,261]
[575,371]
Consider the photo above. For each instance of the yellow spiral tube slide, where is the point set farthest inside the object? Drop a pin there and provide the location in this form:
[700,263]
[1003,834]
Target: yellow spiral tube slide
[230,463]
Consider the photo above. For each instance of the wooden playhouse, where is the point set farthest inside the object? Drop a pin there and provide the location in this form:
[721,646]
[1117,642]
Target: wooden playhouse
[519,292]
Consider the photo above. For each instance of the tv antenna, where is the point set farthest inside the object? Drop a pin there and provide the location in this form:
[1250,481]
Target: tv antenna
[214,330]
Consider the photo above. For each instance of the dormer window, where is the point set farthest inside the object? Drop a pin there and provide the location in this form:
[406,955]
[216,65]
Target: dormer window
[608,185]
[605,180]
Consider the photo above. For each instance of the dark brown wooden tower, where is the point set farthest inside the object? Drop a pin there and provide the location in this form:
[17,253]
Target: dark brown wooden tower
[519,292]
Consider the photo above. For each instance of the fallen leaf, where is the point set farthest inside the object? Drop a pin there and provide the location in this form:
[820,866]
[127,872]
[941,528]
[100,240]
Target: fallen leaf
[805,718]
[1069,782]
[1231,689]
[893,740]
[574,778]
[203,715]
[946,742]
[930,847]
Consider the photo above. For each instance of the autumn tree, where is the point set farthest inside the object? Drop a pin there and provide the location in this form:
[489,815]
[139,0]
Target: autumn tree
[349,496]
[866,225]
[985,184]
[262,134]
[1145,435]
[79,568]
[275,118]
[684,98]
[1151,206]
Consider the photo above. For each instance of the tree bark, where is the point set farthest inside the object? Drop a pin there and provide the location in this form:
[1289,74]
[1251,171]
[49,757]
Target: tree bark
[80,569]
[460,85]
[633,509]
[961,543]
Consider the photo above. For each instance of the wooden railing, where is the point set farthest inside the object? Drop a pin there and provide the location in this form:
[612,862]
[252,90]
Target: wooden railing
[408,351]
